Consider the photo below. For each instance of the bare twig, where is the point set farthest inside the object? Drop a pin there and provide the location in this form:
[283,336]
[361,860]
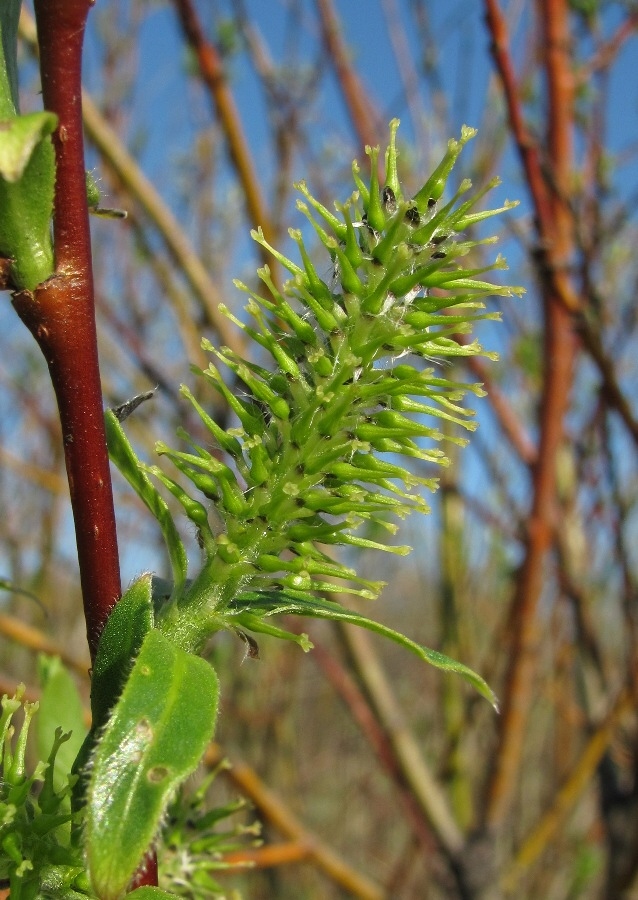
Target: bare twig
[143,192]
[428,793]
[360,108]
[529,152]
[34,639]
[566,798]
[379,740]
[267,802]
[607,51]
[554,229]
[213,76]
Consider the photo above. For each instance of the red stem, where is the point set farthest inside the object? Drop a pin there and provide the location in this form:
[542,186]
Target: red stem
[61,316]
[554,227]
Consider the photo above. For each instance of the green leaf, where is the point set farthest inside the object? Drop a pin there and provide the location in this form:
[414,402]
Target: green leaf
[60,706]
[9,18]
[154,739]
[302,604]
[18,139]
[123,456]
[127,626]
[27,205]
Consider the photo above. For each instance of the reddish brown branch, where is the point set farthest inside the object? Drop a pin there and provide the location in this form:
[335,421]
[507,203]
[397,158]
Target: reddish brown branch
[527,147]
[555,238]
[5,274]
[213,76]
[360,107]
[532,163]
[61,35]
[60,315]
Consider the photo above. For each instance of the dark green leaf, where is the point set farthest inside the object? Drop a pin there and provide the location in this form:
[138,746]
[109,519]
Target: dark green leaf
[120,642]
[154,739]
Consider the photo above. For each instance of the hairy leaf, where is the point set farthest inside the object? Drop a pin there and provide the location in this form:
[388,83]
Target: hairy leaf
[154,739]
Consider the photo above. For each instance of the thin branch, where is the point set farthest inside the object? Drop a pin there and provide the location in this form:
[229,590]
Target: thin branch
[555,237]
[143,192]
[406,64]
[269,857]
[283,819]
[580,778]
[213,76]
[537,184]
[378,738]
[36,475]
[607,51]
[127,171]
[361,110]
[510,423]
[426,790]
[36,640]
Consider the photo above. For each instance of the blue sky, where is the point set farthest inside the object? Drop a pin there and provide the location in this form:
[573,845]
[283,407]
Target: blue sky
[168,108]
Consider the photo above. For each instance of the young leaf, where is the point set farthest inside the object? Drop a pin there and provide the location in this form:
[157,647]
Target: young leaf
[154,739]
[27,202]
[126,627]
[60,706]
[120,642]
[123,455]
[249,608]
[19,138]
[9,18]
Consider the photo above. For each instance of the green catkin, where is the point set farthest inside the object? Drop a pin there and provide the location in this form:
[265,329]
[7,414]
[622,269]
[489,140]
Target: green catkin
[328,416]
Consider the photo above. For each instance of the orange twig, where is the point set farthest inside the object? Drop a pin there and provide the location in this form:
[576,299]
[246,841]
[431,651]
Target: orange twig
[246,779]
[31,637]
[360,108]
[554,225]
[271,856]
[213,76]
[568,795]
[537,183]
